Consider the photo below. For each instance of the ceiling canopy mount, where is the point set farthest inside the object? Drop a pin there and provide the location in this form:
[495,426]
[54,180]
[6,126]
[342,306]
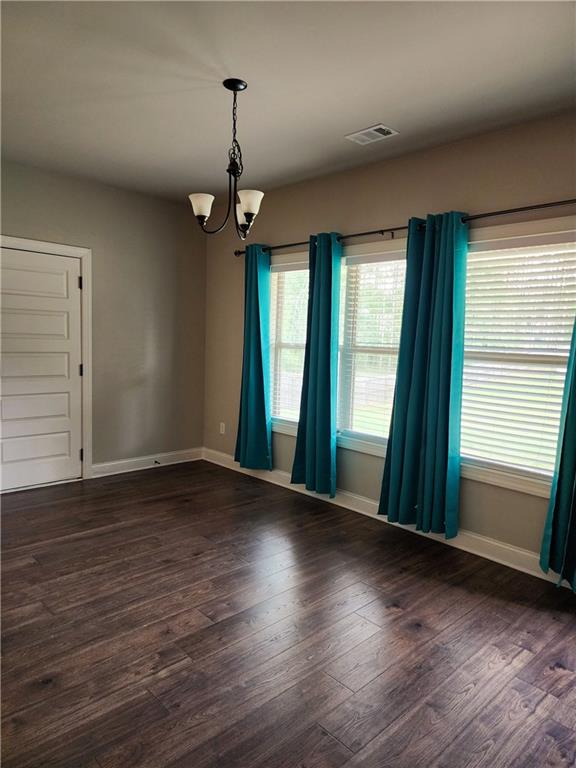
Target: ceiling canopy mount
[235,84]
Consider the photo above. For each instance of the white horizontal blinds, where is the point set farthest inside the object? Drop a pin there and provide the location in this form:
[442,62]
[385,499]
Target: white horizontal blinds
[520,307]
[288,310]
[370,333]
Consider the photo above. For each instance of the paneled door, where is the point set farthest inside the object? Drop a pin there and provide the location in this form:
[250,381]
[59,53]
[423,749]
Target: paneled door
[41,406]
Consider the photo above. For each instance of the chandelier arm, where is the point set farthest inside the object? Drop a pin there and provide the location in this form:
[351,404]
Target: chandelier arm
[221,227]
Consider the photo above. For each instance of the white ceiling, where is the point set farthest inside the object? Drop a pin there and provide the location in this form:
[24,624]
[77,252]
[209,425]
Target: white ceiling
[129,92]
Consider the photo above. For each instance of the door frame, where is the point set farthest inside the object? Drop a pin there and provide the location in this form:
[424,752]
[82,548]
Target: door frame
[85,257]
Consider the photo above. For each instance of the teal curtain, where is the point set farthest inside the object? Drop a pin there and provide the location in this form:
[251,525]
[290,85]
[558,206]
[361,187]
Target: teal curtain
[559,541]
[254,441]
[422,471]
[315,455]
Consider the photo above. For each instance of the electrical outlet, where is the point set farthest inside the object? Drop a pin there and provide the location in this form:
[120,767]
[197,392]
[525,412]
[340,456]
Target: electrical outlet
[222,428]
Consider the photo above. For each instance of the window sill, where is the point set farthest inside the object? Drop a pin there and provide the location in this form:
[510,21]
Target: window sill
[350,442]
[285,427]
[362,443]
[531,483]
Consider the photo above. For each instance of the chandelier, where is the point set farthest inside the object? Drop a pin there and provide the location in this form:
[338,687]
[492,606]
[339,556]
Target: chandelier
[246,210]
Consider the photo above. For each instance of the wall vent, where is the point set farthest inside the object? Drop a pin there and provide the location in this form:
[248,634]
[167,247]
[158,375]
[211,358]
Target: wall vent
[372,134]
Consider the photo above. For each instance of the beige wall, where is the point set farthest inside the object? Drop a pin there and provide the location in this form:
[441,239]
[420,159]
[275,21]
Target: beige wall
[148,261]
[528,163]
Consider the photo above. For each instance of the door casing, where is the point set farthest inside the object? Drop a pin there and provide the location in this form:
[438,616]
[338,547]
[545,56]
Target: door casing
[85,257]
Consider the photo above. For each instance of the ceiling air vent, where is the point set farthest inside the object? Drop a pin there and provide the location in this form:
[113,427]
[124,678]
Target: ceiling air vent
[372,134]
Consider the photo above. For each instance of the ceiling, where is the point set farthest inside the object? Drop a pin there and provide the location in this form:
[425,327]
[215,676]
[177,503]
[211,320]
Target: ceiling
[130,93]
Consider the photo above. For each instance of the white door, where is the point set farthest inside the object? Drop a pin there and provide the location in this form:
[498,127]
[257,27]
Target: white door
[41,407]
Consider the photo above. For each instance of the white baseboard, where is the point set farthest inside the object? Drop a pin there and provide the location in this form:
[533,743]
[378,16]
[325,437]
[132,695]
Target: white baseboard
[145,462]
[498,551]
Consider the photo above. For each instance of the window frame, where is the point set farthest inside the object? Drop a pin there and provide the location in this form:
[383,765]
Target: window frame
[501,237]
[371,253]
[388,250]
[525,234]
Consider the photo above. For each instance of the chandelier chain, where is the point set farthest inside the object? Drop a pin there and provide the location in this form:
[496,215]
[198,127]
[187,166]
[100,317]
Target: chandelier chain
[235,152]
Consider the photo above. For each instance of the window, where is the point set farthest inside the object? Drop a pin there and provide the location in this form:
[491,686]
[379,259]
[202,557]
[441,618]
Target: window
[370,320]
[520,306]
[289,307]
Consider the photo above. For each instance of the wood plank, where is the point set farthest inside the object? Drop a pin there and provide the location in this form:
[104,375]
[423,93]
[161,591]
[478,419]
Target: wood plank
[36,679]
[409,619]
[422,732]
[267,730]
[315,748]
[205,704]
[261,677]
[552,746]
[28,613]
[139,711]
[403,684]
[499,732]
[554,668]
[75,708]
[327,592]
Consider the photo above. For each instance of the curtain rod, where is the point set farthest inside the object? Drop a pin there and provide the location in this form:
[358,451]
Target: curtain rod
[392,230]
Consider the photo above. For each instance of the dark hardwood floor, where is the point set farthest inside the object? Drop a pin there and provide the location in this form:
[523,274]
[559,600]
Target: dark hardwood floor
[193,617]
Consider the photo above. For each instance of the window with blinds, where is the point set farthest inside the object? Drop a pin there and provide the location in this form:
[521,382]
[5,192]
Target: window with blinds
[370,320]
[289,307]
[520,306]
